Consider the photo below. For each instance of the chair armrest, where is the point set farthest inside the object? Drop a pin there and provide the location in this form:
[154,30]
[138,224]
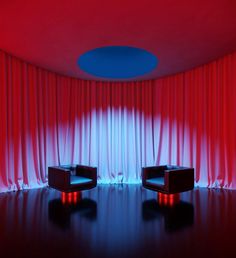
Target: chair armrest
[86,171]
[58,176]
[179,179]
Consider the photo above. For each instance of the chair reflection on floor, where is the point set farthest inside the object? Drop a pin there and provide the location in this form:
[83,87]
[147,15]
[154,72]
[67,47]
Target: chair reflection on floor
[177,214]
[61,209]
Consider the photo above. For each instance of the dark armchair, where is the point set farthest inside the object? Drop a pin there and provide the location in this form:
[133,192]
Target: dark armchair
[69,178]
[168,179]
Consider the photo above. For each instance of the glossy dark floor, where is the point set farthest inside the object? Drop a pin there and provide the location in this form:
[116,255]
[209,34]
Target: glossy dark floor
[117,221]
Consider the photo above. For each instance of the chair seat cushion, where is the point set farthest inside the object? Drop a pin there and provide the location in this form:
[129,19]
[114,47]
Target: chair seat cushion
[74,180]
[156,181]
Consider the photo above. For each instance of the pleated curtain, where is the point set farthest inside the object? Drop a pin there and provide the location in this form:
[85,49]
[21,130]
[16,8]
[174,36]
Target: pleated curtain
[46,119]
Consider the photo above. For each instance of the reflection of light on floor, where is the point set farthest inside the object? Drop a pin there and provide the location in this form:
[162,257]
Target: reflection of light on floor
[168,199]
[71,198]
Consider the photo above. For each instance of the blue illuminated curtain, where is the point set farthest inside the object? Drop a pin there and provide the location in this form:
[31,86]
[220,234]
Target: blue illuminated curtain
[47,119]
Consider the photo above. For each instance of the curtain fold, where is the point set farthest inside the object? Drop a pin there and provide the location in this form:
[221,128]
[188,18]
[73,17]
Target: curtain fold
[186,119]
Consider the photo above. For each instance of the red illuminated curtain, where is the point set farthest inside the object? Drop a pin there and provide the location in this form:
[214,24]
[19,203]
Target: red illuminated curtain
[47,119]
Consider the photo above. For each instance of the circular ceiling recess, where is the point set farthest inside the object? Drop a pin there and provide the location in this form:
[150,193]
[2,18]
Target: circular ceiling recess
[117,62]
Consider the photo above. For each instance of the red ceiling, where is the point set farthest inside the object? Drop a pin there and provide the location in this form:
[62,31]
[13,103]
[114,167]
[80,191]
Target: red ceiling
[181,33]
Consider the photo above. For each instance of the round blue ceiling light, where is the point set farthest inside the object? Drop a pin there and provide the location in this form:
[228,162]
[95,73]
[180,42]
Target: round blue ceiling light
[117,62]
